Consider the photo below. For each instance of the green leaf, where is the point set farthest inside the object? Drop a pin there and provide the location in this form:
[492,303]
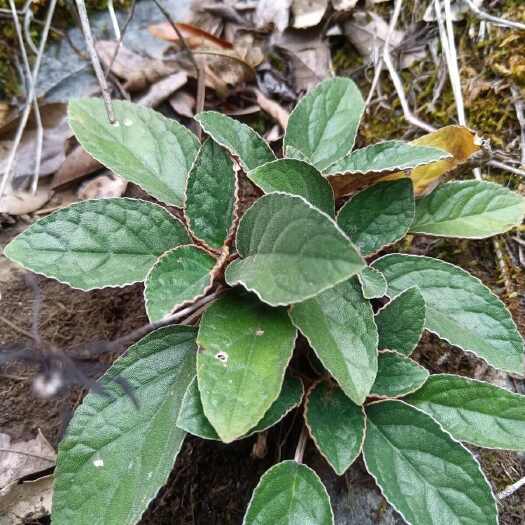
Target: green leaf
[472,411]
[392,155]
[323,125]
[192,419]
[97,243]
[339,325]
[379,215]
[472,209]
[179,276]
[373,283]
[245,347]
[144,147]
[296,178]
[336,424]
[290,251]
[116,456]
[429,478]
[289,493]
[459,308]
[211,195]
[401,322]
[239,139]
[294,153]
[397,375]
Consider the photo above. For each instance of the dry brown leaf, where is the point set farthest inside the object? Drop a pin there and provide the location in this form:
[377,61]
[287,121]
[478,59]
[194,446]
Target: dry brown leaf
[183,103]
[462,143]
[56,132]
[24,202]
[78,164]
[344,5]
[272,12]
[194,36]
[163,89]
[138,71]
[274,109]
[14,466]
[26,501]
[103,187]
[308,13]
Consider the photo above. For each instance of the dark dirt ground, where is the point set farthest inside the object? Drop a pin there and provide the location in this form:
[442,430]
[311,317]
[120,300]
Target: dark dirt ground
[212,483]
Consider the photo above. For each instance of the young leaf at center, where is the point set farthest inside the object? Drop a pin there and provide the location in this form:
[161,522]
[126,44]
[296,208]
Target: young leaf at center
[423,473]
[179,276]
[244,349]
[289,493]
[372,282]
[116,456]
[296,178]
[339,325]
[210,195]
[379,215]
[290,251]
[336,424]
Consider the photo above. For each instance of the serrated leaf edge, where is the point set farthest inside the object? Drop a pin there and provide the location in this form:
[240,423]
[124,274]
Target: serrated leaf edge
[454,440]
[225,146]
[255,490]
[140,185]
[388,244]
[446,155]
[312,436]
[424,316]
[184,303]
[249,174]
[313,294]
[285,368]
[318,87]
[415,389]
[472,237]
[318,357]
[235,211]
[116,286]
[472,380]
[513,372]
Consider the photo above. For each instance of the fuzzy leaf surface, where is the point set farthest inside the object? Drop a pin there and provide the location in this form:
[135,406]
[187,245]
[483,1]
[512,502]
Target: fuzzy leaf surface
[459,308]
[336,424]
[144,147]
[179,276]
[339,325]
[373,283]
[401,322]
[296,178]
[289,493]
[392,155]
[210,195]
[379,215]
[244,349]
[474,411]
[471,209]
[424,474]
[397,375]
[192,419]
[323,125]
[116,456]
[97,243]
[290,251]
[238,138]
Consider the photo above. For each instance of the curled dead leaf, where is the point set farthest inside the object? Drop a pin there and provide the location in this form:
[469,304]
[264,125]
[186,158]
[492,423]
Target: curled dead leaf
[194,36]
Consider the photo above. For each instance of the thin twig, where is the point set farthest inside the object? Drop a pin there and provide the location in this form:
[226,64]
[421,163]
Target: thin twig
[28,454]
[36,110]
[520,115]
[506,167]
[301,445]
[114,20]
[16,328]
[511,489]
[29,102]
[90,44]
[494,19]
[199,71]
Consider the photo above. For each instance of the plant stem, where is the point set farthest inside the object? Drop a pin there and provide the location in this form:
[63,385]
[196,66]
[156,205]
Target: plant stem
[301,445]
